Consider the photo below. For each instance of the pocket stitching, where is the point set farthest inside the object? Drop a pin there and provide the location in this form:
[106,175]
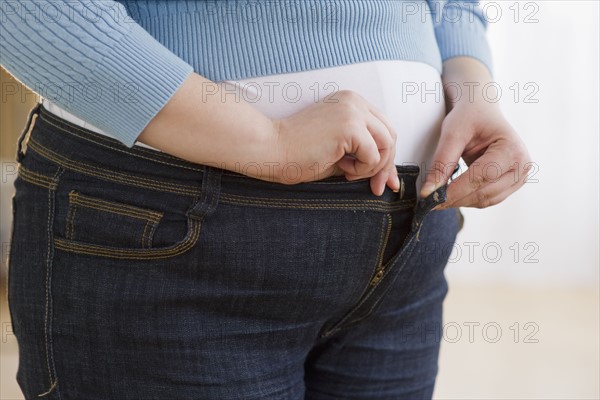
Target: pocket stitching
[70,230]
[188,242]
[77,199]
[116,207]
[144,238]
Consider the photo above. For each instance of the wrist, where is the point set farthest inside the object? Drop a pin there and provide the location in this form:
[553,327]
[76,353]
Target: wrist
[200,125]
[276,149]
[467,81]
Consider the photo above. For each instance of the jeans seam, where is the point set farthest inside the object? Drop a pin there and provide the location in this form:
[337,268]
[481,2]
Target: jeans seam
[234,196]
[342,204]
[376,205]
[114,176]
[36,178]
[48,287]
[45,117]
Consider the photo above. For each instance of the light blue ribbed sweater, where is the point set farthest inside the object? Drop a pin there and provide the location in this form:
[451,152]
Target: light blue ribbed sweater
[115,64]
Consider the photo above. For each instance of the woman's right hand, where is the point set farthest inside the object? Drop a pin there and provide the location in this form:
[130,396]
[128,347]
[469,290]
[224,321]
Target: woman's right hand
[341,135]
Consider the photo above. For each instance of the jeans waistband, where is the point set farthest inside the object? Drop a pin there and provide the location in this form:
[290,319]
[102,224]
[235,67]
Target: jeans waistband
[81,150]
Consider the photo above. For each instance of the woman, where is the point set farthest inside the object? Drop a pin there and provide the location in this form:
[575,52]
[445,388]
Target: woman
[218,199]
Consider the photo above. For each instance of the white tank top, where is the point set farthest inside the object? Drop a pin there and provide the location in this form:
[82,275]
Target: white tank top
[408,93]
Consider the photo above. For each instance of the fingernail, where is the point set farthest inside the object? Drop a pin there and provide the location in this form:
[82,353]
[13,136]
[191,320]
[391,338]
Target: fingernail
[397,185]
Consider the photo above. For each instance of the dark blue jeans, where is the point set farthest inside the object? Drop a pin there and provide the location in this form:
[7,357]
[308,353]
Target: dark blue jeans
[138,275]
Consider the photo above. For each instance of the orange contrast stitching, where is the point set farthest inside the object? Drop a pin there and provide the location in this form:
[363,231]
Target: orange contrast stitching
[134,254]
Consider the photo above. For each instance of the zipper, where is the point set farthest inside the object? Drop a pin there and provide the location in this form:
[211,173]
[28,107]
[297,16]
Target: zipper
[379,272]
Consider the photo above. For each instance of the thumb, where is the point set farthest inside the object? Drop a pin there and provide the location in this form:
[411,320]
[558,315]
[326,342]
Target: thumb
[445,160]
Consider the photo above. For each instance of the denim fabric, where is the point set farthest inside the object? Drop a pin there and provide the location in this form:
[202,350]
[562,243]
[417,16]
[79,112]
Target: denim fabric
[138,275]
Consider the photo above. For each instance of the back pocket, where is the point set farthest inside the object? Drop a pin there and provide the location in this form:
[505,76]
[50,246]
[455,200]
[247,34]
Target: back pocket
[109,223]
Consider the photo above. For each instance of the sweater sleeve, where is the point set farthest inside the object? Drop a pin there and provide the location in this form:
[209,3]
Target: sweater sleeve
[92,59]
[460,30]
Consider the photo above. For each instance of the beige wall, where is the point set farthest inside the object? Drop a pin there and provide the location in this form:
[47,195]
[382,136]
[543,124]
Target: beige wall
[15,102]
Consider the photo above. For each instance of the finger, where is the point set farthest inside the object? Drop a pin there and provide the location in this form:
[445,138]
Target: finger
[488,195]
[356,169]
[378,182]
[390,128]
[364,156]
[389,178]
[449,149]
[385,160]
[384,177]
[487,169]
[393,181]
[384,135]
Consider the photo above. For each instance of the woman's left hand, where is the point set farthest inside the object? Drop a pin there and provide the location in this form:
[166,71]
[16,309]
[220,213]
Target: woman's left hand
[476,130]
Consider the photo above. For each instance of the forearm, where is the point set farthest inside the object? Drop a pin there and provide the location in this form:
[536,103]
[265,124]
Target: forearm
[464,79]
[200,125]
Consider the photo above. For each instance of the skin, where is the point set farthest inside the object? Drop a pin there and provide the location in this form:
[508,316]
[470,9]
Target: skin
[476,130]
[341,135]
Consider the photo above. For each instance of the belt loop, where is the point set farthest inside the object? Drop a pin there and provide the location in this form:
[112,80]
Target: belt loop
[20,153]
[209,193]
